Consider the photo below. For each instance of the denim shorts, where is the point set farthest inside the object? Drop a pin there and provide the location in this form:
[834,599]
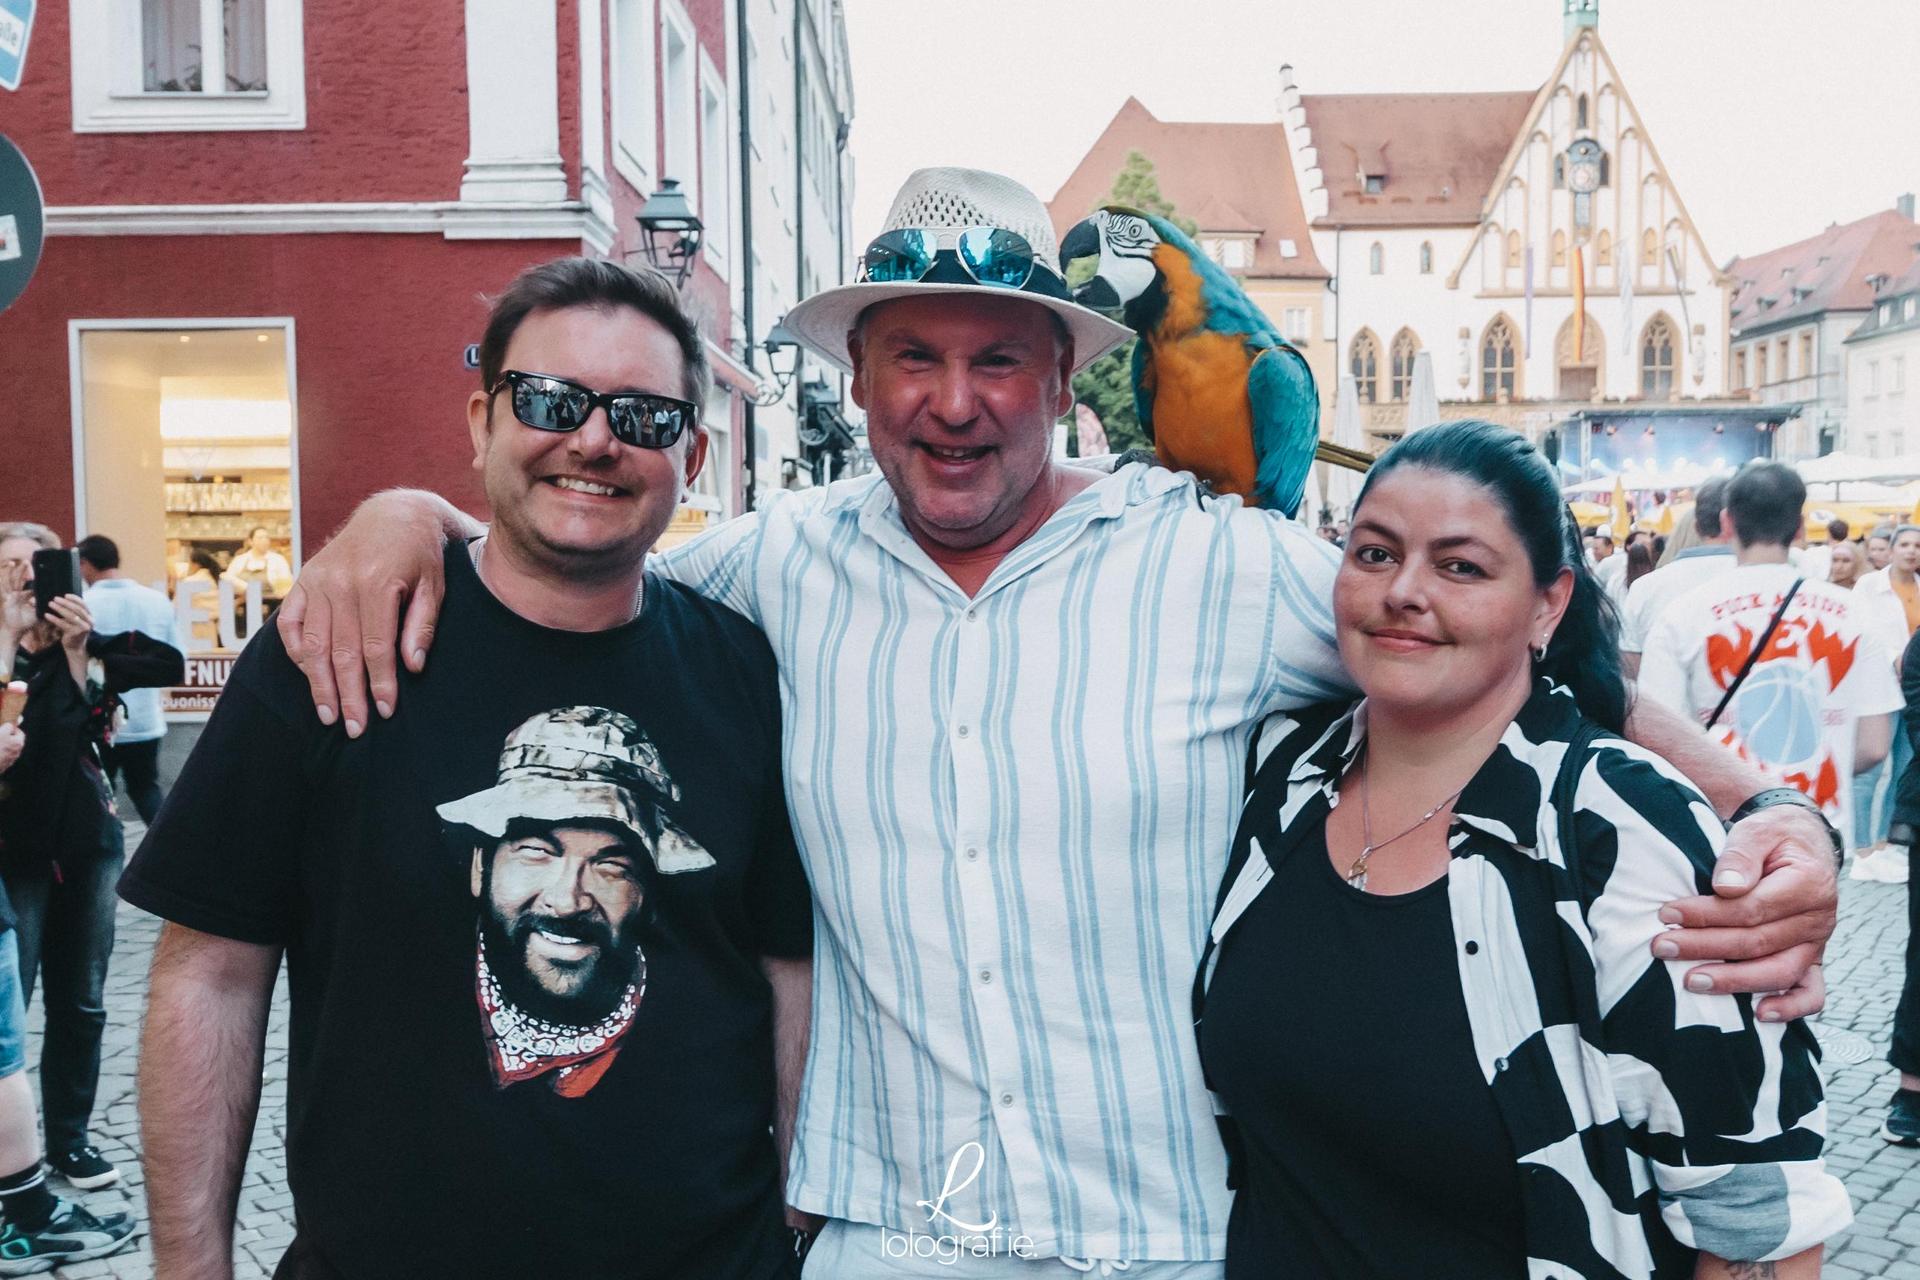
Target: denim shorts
[13,1008]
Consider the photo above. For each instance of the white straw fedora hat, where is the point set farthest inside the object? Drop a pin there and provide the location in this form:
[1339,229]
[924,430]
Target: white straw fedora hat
[946,202]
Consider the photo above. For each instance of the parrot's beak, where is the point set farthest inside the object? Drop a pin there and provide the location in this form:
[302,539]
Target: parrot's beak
[1097,294]
[1083,241]
[1079,266]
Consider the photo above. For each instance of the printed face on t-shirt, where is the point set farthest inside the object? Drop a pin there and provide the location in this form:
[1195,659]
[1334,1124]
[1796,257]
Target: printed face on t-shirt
[561,908]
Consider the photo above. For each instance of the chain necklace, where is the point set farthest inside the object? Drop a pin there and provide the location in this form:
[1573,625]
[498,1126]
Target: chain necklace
[1357,873]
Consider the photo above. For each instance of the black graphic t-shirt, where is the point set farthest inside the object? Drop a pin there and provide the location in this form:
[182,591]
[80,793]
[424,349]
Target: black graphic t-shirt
[524,921]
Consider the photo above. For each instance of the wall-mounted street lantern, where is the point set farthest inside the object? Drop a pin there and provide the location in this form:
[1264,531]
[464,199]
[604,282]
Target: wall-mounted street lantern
[670,232]
[783,361]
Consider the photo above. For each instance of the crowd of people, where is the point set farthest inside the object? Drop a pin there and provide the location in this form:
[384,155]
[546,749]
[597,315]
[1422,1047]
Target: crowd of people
[993,865]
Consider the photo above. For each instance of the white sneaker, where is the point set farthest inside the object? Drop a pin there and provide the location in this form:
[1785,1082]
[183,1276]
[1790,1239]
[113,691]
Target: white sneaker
[1885,865]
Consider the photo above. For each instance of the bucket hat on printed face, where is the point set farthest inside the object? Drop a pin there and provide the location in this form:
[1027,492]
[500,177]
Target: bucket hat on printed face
[947,202]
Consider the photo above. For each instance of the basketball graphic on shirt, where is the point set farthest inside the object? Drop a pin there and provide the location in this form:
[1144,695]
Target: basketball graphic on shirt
[1776,715]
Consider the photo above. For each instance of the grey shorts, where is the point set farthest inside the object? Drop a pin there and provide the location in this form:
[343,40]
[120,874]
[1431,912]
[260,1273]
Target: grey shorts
[13,1008]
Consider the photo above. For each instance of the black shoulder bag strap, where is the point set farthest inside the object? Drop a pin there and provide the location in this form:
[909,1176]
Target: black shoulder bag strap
[1567,783]
[1758,647]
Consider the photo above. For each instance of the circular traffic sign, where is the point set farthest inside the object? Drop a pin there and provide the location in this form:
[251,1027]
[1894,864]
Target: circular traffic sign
[22,222]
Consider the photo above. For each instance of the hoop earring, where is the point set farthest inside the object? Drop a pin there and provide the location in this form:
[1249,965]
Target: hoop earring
[1539,651]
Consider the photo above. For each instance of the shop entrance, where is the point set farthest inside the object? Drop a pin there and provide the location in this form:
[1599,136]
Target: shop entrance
[184,448]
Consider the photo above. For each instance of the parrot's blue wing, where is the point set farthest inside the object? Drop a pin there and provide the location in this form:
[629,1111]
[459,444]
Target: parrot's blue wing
[1286,427]
[1142,388]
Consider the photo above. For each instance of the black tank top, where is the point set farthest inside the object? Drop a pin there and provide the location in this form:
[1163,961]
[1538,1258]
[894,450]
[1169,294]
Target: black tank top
[1336,1033]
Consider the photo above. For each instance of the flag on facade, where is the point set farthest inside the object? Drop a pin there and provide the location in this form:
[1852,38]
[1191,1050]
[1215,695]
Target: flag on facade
[1526,337]
[1626,304]
[1622,523]
[1579,307]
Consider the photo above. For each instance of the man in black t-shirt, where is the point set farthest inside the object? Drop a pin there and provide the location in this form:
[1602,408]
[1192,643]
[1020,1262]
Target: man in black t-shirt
[546,932]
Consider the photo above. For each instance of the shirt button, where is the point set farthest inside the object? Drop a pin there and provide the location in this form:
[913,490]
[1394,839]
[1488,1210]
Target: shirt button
[962,731]
[973,853]
[986,976]
[1006,1099]
[1499,1064]
[1473,948]
[973,615]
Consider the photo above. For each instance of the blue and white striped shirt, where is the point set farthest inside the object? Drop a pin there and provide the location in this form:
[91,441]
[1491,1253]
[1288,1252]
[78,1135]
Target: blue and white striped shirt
[1015,810]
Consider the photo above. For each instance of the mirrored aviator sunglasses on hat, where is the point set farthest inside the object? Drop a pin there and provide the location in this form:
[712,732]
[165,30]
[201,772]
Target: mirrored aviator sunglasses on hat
[991,256]
[638,418]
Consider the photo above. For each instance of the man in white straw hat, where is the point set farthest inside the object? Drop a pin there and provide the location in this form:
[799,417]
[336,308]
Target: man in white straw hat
[547,934]
[1018,697]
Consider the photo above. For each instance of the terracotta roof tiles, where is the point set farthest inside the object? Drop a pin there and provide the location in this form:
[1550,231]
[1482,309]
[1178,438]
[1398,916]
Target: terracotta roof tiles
[1826,272]
[1438,153]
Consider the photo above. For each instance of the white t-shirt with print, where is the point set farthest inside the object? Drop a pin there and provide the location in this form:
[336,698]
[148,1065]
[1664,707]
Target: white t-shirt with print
[1795,716]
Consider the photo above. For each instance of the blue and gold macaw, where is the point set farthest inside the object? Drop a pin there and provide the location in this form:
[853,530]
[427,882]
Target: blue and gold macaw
[1218,391]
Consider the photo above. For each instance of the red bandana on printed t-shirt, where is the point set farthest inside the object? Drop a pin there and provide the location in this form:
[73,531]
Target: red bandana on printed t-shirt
[523,1047]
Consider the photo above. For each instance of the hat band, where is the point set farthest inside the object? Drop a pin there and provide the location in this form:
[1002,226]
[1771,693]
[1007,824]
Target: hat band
[542,760]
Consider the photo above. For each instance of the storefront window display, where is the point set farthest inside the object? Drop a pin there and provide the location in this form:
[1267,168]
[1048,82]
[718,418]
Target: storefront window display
[184,439]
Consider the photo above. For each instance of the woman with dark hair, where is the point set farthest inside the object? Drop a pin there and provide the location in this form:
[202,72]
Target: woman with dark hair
[1640,558]
[1449,891]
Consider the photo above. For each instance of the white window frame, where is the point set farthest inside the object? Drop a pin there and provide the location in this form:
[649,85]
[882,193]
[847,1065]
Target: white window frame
[712,490]
[680,131]
[77,408]
[716,189]
[108,97]
[636,117]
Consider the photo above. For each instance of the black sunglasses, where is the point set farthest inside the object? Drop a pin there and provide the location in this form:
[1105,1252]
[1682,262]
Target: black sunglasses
[639,418]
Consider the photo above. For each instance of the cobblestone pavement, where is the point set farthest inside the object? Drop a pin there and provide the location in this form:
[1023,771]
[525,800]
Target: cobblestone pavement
[1864,968]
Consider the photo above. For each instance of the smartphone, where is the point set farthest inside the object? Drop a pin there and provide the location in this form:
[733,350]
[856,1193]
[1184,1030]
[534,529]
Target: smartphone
[55,574]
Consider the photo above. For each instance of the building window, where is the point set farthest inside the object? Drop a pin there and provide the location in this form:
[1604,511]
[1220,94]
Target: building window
[1739,371]
[1908,308]
[1886,313]
[1759,364]
[1373,184]
[163,65]
[1513,250]
[1426,257]
[1807,369]
[1289,249]
[1656,358]
[1376,259]
[1873,378]
[1649,248]
[1559,248]
[1781,370]
[635,141]
[715,189]
[1499,367]
[1896,375]
[186,441]
[1294,321]
[1580,112]
[1603,249]
[1405,347]
[678,102]
[1365,365]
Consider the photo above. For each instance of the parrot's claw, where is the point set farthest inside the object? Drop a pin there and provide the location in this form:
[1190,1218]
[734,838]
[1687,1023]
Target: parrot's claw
[1147,456]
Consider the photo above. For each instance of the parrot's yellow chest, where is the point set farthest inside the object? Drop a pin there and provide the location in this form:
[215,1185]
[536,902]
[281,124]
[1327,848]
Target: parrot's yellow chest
[1202,420]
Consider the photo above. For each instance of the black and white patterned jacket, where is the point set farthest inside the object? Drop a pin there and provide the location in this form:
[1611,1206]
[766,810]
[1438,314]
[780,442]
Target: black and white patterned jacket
[1650,1121]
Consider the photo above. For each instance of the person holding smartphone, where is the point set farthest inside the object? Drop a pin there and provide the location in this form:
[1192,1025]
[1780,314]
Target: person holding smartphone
[61,846]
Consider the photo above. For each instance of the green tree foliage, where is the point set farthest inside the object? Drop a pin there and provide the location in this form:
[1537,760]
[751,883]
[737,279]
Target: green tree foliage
[1106,385]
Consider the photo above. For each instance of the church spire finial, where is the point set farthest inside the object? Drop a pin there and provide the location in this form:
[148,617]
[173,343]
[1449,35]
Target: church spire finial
[1580,13]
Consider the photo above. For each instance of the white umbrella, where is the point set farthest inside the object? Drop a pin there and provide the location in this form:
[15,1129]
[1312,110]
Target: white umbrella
[1339,486]
[1423,402]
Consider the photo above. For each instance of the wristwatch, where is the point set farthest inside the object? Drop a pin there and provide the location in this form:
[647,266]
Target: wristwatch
[1799,799]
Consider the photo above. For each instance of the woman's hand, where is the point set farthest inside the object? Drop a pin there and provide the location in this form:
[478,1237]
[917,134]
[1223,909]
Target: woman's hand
[17,616]
[73,620]
[12,743]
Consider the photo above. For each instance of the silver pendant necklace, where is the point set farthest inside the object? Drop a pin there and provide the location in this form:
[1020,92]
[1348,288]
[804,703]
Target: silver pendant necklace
[1357,873]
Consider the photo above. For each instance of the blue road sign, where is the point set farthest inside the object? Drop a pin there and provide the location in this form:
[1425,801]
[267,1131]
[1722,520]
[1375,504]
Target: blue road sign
[22,222]
[16,24]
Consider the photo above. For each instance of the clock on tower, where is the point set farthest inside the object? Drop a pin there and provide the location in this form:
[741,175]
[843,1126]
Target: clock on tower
[1586,173]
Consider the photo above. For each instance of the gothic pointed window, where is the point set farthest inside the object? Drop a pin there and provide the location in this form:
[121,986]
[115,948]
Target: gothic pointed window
[1559,248]
[1376,259]
[1580,112]
[1649,248]
[1656,358]
[1426,257]
[1603,249]
[1513,250]
[1405,347]
[1365,366]
[1499,364]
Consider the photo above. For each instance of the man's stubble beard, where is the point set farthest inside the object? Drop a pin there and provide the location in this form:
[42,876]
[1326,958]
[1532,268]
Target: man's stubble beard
[608,973]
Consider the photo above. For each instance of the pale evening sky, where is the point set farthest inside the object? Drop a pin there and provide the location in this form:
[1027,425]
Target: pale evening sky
[1774,117]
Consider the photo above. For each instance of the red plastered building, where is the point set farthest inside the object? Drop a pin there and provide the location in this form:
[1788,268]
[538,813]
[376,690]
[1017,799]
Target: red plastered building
[272,226]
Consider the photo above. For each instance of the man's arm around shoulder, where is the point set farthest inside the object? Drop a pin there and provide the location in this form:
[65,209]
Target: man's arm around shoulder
[199,1084]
